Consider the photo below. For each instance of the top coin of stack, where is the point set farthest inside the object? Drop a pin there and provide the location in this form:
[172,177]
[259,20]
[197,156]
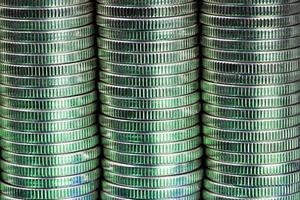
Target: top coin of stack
[48,100]
[251,94]
[150,101]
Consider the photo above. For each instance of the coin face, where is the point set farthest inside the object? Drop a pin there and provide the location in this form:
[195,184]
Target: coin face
[250,135]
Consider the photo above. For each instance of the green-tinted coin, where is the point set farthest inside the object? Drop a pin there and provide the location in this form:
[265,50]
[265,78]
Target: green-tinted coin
[90,196]
[252,147]
[255,170]
[150,69]
[49,182]
[250,158]
[148,35]
[46,115]
[49,104]
[50,149]
[157,193]
[47,24]
[50,92]
[49,171]
[253,136]
[250,91]
[254,181]
[148,23]
[51,160]
[150,114]
[46,47]
[25,81]
[251,68]
[48,36]
[45,12]
[146,11]
[251,34]
[228,9]
[107,196]
[212,196]
[144,3]
[154,159]
[253,102]
[53,193]
[47,59]
[150,170]
[251,79]
[252,192]
[148,149]
[145,46]
[41,3]
[148,92]
[48,71]
[250,22]
[50,126]
[250,45]
[147,58]
[154,182]
[251,113]
[149,81]
[151,138]
[250,56]
[253,2]
[49,137]
[148,126]
[252,124]
[149,103]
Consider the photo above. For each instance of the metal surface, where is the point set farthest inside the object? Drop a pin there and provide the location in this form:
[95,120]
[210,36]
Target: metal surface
[49,135]
[149,93]
[251,94]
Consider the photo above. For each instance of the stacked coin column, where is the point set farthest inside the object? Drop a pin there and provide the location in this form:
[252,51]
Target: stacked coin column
[150,101]
[251,85]
[48,100]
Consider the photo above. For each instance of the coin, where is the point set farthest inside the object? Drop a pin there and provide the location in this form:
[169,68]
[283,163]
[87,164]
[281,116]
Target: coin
[156,148]
[48,36]
[49,70]
[147,114]
[151,138]
[212,196]
[149,81]
[150,170]
[89,196]
[149,103]
[50,171]
[250,34]
[51,160]
[160,193]
[150,69]
[46,47]
[155,159]
[54,193]
[133,11]
[43,3]
[248,169]
[228,9]
[149,35]
[154,182]
[45,12]
[252,192]
[48,24]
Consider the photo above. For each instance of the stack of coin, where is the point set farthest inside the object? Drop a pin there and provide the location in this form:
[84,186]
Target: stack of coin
[149,94]
[251,94]
[48,100]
